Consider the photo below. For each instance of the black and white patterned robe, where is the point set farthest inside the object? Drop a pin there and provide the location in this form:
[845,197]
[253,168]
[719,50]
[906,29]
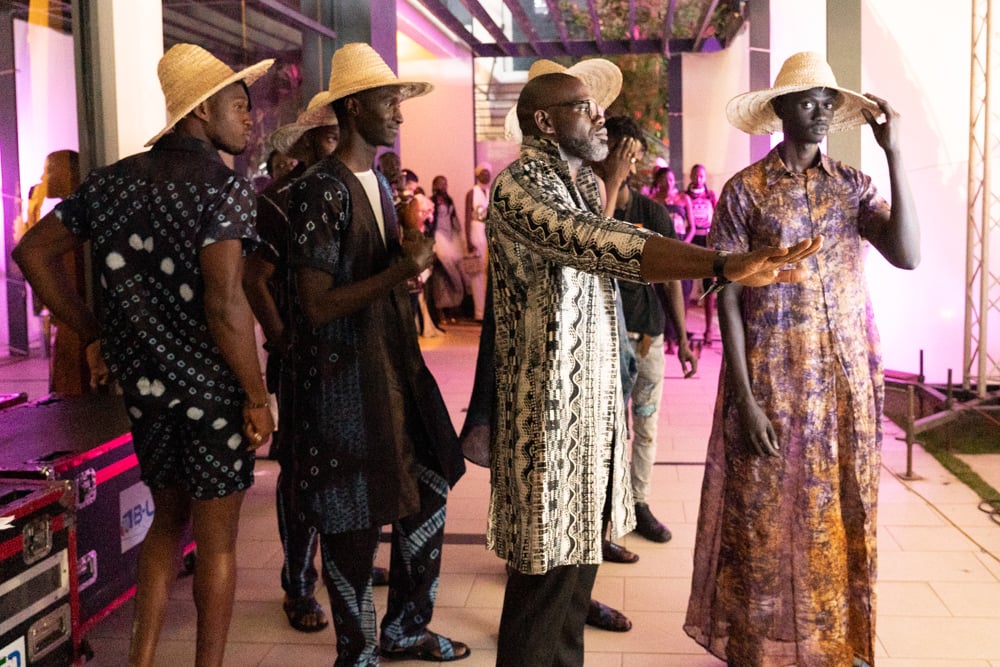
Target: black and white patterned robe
[560,429]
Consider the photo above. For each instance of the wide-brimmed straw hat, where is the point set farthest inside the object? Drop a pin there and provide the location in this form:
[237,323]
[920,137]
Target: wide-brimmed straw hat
[189,75]
[752,112]
[602,77]
[316,114]
[357,66]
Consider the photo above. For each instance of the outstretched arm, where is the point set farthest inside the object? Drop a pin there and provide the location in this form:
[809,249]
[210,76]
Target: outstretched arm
[898,238]
[668,259]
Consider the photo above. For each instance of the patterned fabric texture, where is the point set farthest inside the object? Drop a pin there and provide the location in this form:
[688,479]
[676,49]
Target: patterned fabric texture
[366,409]
[785,561]
[559,443]
[148,217]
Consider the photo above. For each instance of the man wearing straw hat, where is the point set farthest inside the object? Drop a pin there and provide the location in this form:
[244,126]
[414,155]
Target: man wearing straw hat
[373,442]
[168,229]
[785,562]
[558,463]
[312,137]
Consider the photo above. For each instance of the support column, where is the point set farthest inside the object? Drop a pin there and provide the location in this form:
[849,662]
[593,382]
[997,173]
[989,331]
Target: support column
[843,52]
[120,105]
[317,49]
[372,22]
[675,114]
[10,186]
[760,65]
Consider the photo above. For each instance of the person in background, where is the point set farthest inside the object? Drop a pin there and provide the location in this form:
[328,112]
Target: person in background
[373,442]
[312,137]
[477,201]
[279,164]
[68,371]
[644,320]
[678,206]
[702,201]
[447,282]
[168,229]
[785,553]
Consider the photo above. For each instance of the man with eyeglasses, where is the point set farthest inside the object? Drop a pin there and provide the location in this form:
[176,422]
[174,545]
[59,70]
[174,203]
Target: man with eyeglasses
[558,460]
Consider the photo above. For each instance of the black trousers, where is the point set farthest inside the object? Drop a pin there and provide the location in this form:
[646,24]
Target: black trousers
[543,617]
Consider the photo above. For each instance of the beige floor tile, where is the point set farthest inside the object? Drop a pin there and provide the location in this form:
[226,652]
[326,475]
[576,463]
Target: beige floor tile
[940,638]
[918,598]
[929,538]
[974,600]
[933,566]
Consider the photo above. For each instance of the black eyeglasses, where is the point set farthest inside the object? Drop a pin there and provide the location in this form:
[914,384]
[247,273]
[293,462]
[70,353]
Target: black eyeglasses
[588,106]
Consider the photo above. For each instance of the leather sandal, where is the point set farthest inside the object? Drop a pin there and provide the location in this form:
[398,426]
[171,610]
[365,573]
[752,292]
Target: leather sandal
[432,648]
[616,553]
[601,616]
[298,609]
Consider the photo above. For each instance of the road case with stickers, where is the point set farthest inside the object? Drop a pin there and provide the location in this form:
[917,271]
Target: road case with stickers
[37,588]
[86,440]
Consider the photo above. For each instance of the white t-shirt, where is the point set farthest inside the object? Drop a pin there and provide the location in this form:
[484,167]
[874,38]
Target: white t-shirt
[369,181]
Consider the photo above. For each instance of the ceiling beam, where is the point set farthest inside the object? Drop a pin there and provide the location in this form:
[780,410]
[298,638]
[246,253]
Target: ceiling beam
[479,13]
[299,18]
[555,14]
[595,21]
[699,39]
[438,10]
[581,48]
[668,27]
[523,22]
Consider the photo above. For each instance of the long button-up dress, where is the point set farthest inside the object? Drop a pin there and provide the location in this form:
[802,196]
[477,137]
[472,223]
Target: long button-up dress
[559,443]
[785,562]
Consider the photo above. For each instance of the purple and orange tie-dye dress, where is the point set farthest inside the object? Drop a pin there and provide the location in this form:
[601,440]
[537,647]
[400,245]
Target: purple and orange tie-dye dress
[785,562]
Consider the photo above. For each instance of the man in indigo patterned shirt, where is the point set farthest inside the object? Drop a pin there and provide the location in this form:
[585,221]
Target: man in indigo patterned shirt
[169,228]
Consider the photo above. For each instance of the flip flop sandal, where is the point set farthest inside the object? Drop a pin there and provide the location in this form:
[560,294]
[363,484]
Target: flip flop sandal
[432,648]
[298,608]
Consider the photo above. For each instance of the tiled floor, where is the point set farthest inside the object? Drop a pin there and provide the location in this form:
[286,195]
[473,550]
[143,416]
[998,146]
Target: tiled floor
[938,594]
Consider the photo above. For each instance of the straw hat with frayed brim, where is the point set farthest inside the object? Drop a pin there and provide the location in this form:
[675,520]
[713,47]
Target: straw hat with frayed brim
[357,67]
[602,77]
[752,112]
[317,114]
[189,75]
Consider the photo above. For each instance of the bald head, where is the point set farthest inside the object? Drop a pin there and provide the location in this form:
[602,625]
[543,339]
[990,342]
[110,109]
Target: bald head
[542,92]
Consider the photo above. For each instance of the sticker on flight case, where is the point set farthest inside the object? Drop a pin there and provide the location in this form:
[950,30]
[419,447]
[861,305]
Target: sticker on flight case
[135,506]
[14,654]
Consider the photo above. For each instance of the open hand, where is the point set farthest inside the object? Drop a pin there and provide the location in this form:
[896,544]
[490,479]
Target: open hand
[764,266]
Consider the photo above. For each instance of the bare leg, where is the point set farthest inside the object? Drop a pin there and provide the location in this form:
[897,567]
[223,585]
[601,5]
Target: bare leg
[158,566]
[429,328]
[709,308]
[216,523]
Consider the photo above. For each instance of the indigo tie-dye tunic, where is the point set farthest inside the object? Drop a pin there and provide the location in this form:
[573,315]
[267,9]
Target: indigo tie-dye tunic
[785,564]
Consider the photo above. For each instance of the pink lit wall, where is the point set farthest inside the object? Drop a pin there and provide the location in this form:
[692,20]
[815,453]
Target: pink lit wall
[46,111]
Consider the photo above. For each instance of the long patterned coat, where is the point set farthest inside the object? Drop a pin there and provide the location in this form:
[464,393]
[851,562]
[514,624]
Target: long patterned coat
[785,561]
[559,442]
[366,408]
